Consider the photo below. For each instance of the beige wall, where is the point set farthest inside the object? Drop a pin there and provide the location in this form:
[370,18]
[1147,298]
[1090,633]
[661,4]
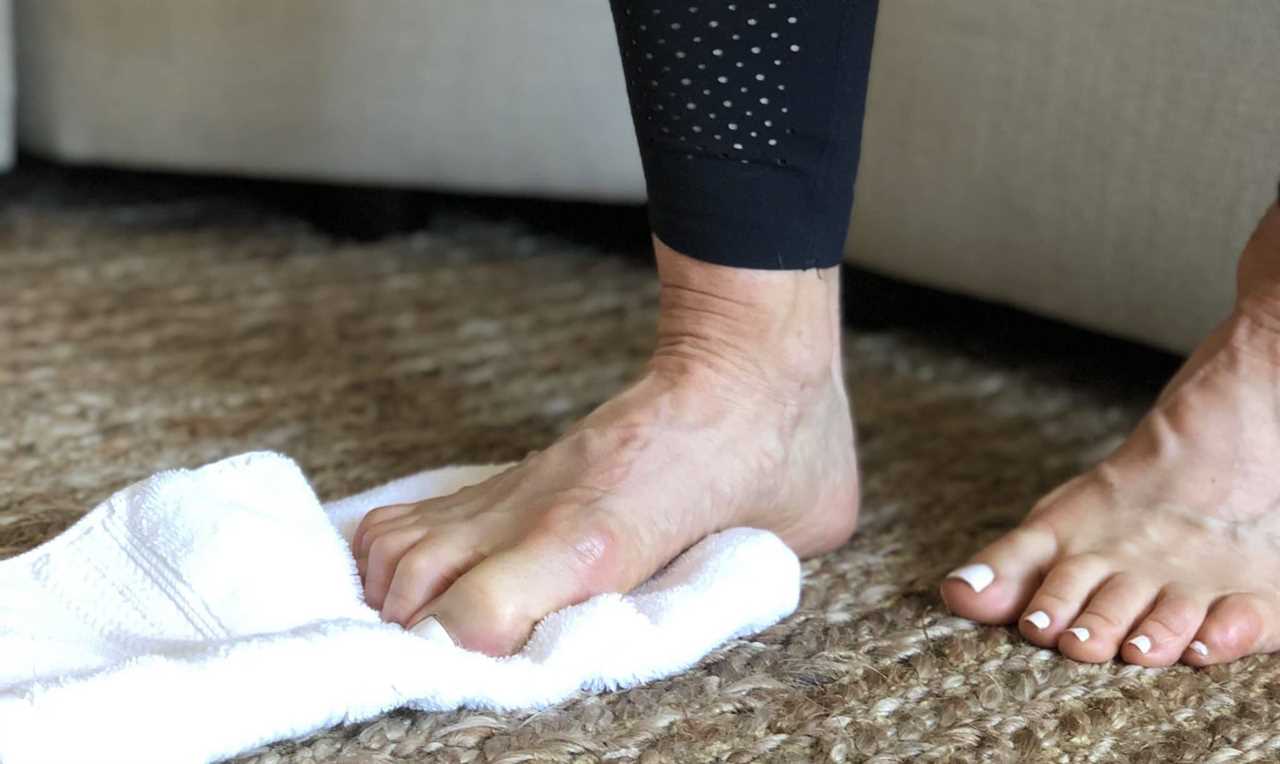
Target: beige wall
[515,96]
[1097,161]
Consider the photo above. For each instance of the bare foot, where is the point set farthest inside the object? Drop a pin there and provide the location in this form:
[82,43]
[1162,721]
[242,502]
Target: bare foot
[740,419]
[1169,550]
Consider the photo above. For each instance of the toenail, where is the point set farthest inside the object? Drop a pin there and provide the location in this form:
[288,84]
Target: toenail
[1039,619]
[1200,647]
[1080,633]
[431,629]
[978,576]
[1142,642]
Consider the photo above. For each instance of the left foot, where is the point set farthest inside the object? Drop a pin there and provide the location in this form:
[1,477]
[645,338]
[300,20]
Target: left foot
[1169,550]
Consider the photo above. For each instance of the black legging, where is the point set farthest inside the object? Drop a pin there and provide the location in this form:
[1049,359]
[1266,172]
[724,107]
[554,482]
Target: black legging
[749,118]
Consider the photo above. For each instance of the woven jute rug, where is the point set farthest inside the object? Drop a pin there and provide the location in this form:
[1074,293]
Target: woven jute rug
[143,332]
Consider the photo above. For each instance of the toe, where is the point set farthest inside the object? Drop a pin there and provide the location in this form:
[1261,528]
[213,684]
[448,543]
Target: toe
[1233,629]
[995,584]
[382,553]
[373,519]
[1164,635]
[1096,634]
[493,607]
[1061,597]
[426,570]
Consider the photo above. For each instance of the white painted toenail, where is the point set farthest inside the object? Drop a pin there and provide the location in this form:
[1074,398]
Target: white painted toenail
[1080,633]
[1142,642]
[977,576]
[1038,619]
[429,628]
[1200,647]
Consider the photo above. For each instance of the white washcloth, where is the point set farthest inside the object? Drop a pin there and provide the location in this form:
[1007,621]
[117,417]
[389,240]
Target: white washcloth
[202,613]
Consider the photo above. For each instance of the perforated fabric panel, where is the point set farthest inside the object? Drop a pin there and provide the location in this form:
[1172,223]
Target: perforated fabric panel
[748,115]
[712,76]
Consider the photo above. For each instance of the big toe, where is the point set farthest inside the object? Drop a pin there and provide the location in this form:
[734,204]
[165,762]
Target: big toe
[994,586]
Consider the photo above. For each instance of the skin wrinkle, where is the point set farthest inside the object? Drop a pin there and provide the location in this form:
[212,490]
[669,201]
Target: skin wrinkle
[705,353]
[723,430]
[732,339]
[1189,502]
[671,289]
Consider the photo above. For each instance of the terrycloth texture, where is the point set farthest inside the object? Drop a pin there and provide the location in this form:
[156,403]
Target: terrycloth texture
[230,587]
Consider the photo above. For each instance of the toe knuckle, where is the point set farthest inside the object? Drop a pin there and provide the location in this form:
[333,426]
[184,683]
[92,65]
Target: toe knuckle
[399,598]
[1046,599]
[589,540]
[1071,579]
[1083,564]
[384,546]
[379,546]
[380,514]
[417,565]
[592,548]
[1125,579]
[1101,618]
[1167,623]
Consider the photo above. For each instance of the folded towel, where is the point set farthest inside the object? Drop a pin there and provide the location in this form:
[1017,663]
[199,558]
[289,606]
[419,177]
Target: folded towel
[202,613]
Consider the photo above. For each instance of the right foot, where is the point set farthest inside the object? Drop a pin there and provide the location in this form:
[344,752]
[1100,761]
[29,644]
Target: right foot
[742,419]
[1169,550]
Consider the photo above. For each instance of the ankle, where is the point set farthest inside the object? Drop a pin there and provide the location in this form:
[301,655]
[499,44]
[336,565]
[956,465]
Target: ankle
[776,331]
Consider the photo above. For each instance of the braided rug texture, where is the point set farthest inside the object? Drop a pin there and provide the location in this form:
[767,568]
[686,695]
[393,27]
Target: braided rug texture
[142,335]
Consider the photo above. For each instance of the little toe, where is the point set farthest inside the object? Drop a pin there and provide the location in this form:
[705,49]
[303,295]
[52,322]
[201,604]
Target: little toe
[1061,597]
[995,584]
[1107,620]
[1165,634]
[1234,628]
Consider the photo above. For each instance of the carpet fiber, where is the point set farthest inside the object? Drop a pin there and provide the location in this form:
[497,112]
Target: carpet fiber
[139,333]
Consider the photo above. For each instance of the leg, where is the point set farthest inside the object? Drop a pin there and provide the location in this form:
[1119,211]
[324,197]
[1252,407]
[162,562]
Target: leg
[1169,550]
[748,116]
